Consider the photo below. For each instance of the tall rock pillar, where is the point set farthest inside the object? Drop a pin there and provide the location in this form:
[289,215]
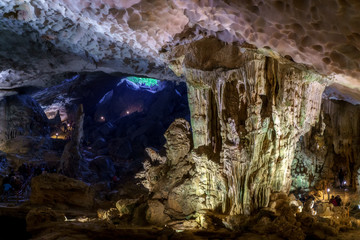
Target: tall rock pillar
[248,110]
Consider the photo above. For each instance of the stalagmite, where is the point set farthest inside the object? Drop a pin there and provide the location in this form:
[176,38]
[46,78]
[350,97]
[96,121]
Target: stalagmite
[71,156]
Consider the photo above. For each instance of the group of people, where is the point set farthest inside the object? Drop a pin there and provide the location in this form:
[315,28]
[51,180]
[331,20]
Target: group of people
[15,181]
[336,201]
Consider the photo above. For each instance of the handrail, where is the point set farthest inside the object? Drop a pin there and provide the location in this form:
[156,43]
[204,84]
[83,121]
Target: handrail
[25,184]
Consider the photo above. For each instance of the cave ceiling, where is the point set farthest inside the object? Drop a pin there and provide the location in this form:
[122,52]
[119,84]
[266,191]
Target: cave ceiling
[42,41]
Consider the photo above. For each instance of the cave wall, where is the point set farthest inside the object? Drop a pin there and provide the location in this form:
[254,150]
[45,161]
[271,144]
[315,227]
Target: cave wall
[332,144]
[20,115]
[246,115]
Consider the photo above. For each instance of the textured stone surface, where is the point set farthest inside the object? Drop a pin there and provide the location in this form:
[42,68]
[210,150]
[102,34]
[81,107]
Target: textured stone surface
[60,191]
[178,140]
[248,119]
[245,125]
[155,213]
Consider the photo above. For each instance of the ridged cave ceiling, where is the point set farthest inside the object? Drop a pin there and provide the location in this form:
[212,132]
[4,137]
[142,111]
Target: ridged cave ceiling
[41,40]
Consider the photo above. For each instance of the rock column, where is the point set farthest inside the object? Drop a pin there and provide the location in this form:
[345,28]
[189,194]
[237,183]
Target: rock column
[247,115]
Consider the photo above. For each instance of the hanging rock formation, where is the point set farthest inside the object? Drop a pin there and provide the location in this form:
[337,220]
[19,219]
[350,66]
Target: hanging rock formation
[247,113]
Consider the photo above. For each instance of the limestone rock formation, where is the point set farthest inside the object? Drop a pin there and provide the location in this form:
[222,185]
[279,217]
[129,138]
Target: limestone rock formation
[246,119]
[71,157]
[331,145]
[21,116]
[61,192]
[178,141]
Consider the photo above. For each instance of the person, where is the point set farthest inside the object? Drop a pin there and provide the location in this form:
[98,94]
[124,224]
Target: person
[338,200]
[114,181]
[333,201]
[7,187]
[341,177]
[302,198]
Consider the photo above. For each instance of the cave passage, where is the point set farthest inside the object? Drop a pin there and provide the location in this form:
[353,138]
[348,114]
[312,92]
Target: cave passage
[122,117]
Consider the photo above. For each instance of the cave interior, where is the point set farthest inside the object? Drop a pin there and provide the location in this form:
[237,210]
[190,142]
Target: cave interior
[179,119]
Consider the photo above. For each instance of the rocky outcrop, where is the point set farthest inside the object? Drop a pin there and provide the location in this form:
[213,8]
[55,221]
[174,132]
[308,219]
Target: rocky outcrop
[246,120]
[61,192]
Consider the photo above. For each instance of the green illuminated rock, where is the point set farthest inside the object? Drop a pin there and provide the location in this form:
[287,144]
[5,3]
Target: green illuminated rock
[150,82]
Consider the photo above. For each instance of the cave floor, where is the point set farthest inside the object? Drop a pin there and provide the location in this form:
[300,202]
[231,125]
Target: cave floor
[89,231]
[84,225]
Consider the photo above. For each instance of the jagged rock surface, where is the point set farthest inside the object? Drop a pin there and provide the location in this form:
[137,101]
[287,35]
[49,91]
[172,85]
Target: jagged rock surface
[246,120]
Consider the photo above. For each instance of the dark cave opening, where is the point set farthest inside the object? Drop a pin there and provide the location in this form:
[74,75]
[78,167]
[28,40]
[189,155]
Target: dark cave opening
[123,116]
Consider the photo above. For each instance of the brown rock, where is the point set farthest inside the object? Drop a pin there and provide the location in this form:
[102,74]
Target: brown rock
[155,214]
[126,206]
[37,217]
[60,191]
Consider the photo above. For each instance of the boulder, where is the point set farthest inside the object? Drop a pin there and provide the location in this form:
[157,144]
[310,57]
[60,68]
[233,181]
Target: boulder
[112,215]
[37,217]
[61,191]
[155,214]
[126,206]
